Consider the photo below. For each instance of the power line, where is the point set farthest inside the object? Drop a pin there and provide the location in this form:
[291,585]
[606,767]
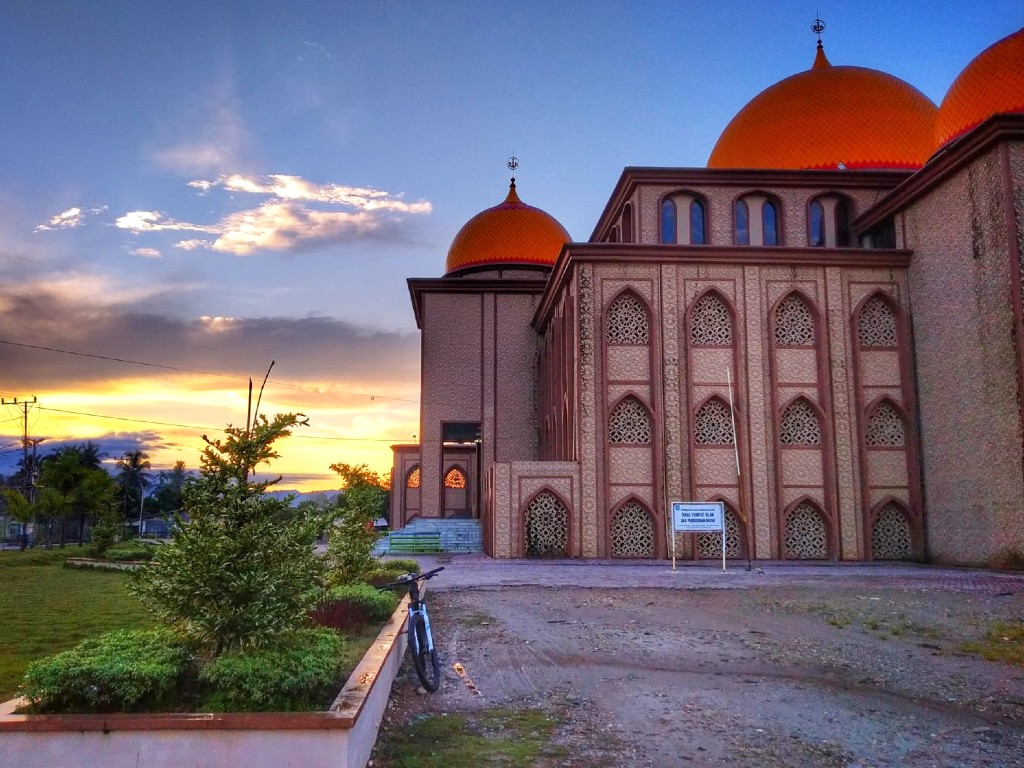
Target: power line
[306,387]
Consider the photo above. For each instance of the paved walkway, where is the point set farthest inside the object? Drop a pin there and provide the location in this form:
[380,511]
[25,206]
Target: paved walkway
[475,570]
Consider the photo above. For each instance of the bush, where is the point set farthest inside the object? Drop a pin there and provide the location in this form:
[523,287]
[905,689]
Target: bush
[351,606]
[127,553]
[352,535]
[402,565]
[123,671]
[298,675]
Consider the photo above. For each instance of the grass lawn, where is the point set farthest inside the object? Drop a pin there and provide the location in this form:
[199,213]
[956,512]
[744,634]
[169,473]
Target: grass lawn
[46,608]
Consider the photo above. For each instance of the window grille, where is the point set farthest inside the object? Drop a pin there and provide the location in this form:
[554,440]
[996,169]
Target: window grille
[709,544]
[547,527]
[885,428]
[455,478]
[632,532]
[629,423]
[713,424]
[890,535]
[710,323]
[626,322]
[800,425]
[413,481]
[877,325]
[794,323]
[806,534]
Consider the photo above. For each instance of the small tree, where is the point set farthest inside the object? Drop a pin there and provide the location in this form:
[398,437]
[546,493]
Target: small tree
[20,509]
[363,500]
[239,573]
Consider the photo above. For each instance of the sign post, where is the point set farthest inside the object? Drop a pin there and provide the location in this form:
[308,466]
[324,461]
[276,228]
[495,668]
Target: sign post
[699,517]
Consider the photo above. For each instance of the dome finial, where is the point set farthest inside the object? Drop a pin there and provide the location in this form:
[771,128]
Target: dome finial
[819,57]
[513,163]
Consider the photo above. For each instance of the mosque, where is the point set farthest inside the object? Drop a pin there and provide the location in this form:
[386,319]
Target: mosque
[823,329]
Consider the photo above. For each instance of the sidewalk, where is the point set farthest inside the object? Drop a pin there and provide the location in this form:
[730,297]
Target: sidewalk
[477,570]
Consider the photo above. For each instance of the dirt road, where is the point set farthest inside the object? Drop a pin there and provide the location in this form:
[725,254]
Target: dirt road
[820,667]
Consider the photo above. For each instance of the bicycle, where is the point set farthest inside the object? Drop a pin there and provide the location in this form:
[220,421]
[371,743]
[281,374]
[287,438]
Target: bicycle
[421,642]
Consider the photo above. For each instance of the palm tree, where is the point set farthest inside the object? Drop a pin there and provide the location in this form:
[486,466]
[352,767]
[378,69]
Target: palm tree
[133,475]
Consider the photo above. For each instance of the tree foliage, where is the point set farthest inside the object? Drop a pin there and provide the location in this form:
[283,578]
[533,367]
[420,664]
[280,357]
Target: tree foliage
[239,572]
[363,499]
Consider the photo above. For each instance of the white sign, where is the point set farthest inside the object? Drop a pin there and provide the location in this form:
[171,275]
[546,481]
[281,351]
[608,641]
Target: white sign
[698,516]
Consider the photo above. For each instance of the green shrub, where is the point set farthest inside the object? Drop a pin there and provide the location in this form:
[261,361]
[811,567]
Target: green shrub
[384,574]
[402,565]
[377,604]
[352,535]
[300,674]
[123,671]
[130,552]
[40,556]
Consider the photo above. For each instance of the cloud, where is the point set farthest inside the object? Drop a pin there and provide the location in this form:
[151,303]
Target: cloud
[148,253]
[285,187]
[284,222]
[69,219]
[154,221]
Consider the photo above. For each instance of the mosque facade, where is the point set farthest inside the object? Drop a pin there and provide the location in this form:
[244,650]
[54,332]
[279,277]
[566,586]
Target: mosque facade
[823,329]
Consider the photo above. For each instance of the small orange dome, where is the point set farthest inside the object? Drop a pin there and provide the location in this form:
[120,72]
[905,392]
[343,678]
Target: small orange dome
[992,83]
[830,117]
[507,234]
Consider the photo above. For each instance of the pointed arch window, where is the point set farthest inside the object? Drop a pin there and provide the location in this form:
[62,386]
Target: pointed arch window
[629,423]
[769,223]
[842,224]
[817,239]
[626,321]
[627,223]
[697,223]
[876,326]
[800,424]
[794,323]
[885,428]
[710,323]
[742,219]
[632,532]
[713,424]
[891,537]
[806,533]
[668,220]
[455,478]
[413,478]
[546,521]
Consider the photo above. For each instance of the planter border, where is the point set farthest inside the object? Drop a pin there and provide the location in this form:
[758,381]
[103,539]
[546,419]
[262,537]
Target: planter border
[354,715]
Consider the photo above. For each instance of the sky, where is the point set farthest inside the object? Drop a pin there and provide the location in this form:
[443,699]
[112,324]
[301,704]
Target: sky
[192,190]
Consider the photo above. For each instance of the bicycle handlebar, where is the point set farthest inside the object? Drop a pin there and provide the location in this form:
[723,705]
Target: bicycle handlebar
[413,577]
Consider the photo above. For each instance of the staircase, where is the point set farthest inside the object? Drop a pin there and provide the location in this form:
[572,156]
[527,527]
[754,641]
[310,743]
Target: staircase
[456,535]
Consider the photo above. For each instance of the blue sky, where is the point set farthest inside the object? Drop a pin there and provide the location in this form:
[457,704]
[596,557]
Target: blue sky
[211,186]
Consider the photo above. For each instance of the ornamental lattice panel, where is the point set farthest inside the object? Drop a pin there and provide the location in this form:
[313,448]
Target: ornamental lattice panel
[806,534]
[710,544]
[629,423]
[885,428]
[713,424]
[794,323]
[547,527]
[632,532]
[414,479]
[710,323]
[890,536]
[800,425]
[626,322]
[455,478]
[876,326]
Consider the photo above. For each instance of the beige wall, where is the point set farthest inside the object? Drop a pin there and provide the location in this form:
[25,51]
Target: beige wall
[961,285]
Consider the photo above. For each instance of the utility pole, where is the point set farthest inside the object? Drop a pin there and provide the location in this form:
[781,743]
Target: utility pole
[28,477]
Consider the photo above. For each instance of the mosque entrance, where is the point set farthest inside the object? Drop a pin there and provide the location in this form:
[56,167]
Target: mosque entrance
[460,470]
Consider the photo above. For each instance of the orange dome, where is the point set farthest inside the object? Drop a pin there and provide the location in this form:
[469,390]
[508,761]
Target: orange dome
[507,234]
[830,117]
[992,83]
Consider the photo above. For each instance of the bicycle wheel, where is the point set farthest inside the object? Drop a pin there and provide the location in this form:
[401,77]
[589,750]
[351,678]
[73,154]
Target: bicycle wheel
[428,669]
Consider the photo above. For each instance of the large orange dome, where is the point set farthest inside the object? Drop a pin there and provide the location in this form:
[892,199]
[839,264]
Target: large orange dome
[508,234]
[992,83]
[831,117]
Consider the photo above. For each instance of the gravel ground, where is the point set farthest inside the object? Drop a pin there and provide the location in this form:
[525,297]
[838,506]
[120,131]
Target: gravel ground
[790,666]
